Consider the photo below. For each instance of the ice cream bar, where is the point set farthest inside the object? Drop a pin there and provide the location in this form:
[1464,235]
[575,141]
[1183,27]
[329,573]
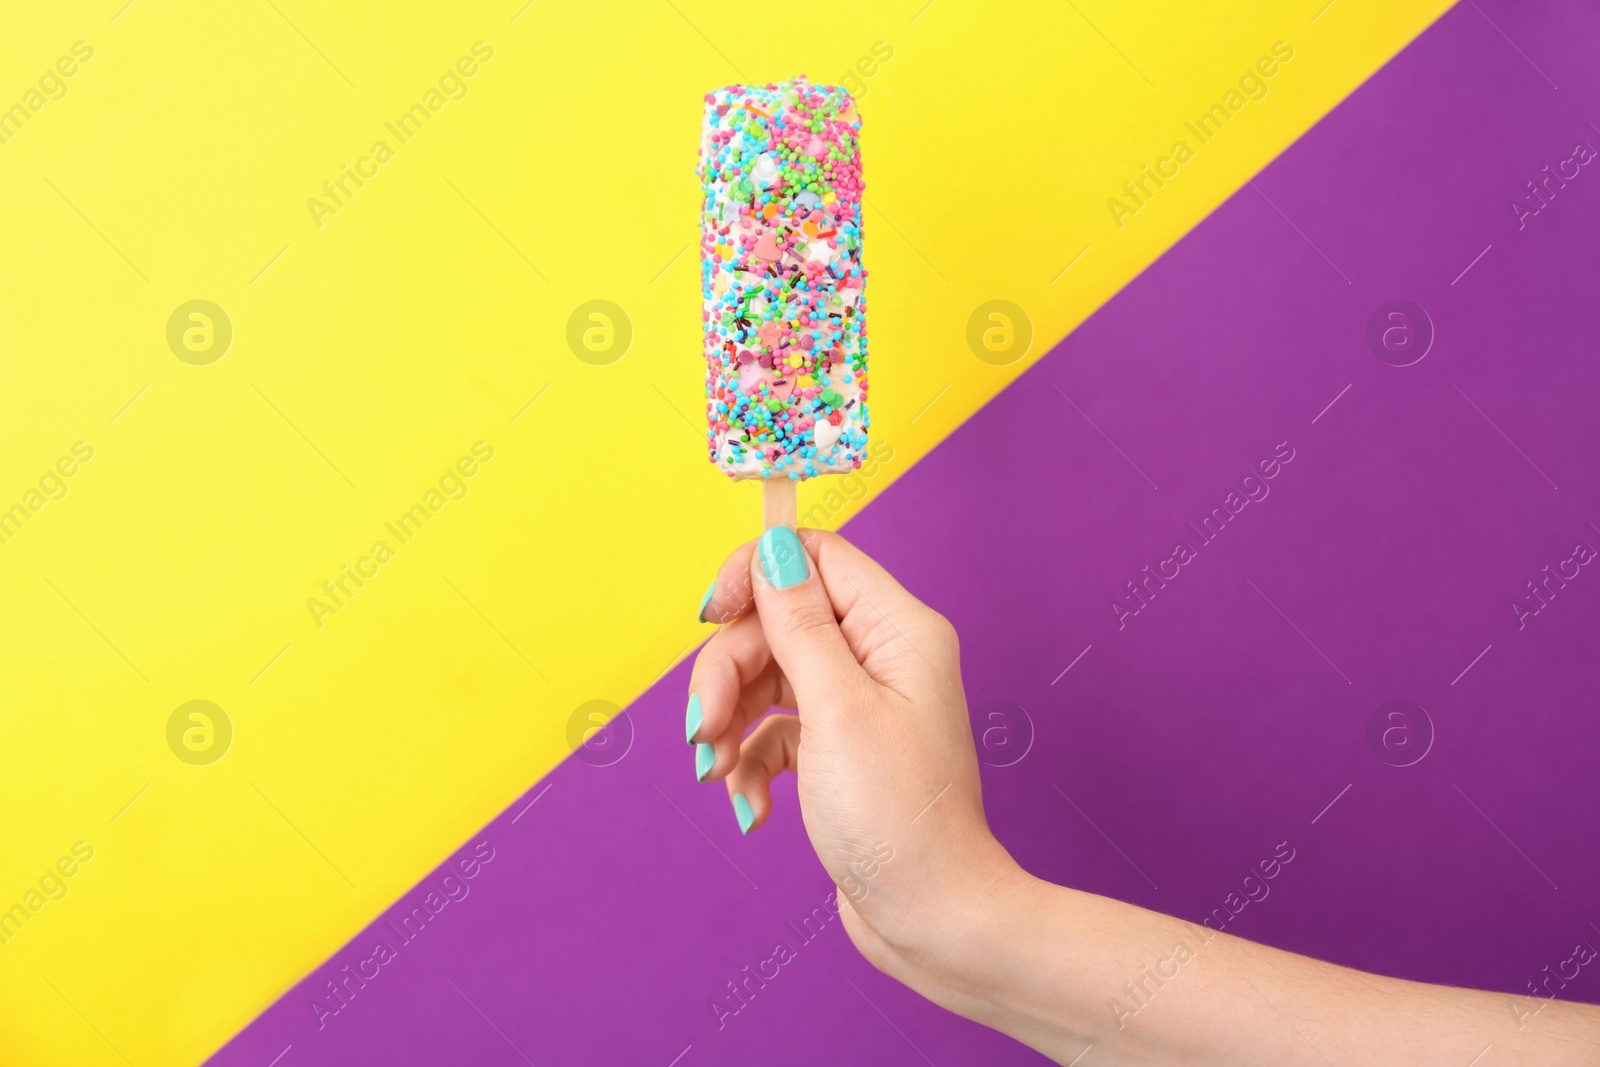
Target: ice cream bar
[781,278]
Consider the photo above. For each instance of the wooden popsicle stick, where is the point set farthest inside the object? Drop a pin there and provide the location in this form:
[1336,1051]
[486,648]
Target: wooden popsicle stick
[779,502]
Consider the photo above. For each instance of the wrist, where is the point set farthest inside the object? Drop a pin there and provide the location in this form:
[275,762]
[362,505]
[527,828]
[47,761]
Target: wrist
[1013,955]
[960,950]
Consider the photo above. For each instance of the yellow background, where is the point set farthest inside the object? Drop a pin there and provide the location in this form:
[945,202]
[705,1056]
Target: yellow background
[424,316]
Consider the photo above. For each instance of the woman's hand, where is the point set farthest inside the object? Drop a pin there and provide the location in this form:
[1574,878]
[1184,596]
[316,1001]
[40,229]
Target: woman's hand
[888,784]
[888,777]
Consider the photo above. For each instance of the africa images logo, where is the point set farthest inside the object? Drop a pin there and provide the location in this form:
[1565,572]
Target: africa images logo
[337,192]
[1252,85]
[1253,488]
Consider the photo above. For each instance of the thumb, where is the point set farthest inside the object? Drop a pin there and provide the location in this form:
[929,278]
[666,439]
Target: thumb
[798,619]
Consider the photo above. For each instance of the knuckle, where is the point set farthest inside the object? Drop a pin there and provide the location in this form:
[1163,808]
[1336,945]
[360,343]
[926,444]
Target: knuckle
[811,620]
[942,631]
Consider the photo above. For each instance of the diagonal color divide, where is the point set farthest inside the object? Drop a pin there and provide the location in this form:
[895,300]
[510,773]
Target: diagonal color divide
[1206,724]
[399,331]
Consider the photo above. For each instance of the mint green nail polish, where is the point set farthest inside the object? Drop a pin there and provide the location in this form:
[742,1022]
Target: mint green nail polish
[712,588]
[692,717]
[704,757]
[741,811]
[782,558]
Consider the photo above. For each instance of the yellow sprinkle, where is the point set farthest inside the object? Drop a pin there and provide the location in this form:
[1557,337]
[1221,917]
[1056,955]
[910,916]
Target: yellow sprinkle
[829,197]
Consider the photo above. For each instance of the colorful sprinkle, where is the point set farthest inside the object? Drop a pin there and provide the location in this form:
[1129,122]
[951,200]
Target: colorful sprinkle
[782,281]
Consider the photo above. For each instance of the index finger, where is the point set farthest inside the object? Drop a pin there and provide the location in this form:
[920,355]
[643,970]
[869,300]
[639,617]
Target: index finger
[729,596]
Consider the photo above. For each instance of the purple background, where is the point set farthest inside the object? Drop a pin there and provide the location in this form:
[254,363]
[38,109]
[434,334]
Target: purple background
[1215,724]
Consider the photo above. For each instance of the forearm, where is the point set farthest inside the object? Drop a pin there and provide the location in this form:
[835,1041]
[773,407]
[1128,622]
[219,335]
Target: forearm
[1063,971]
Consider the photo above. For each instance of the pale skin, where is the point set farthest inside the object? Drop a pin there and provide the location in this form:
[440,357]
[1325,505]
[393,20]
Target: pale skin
[882,733]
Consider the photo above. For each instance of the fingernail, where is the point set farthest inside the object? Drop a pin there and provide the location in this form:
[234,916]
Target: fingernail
[741,811]
[692,717]
[704,757]
[782,558]
[705,600]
